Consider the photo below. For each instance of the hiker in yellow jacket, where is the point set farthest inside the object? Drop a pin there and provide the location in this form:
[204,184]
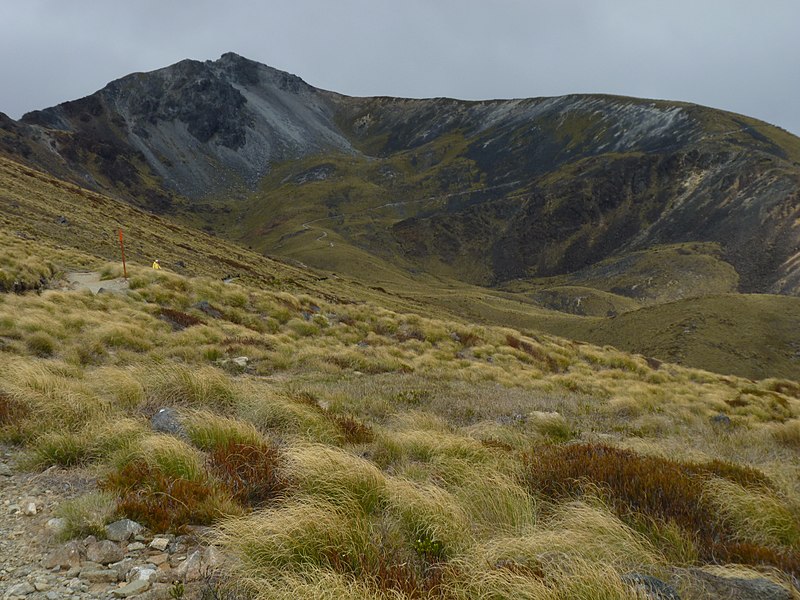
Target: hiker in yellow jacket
[156,265]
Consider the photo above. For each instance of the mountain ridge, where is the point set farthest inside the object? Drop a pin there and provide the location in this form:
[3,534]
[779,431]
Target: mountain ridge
[518,196]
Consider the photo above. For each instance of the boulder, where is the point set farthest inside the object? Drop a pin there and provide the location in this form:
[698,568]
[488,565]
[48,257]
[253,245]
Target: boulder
[650,587]
[56,526]
[734,588]
[135,587]
[65,557]
[166,420]
[104,552]
[122,530]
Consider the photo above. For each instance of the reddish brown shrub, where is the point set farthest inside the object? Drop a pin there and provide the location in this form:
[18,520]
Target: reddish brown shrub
[251,473]
[355,432]
[391,570]
[534,352]
[179,320]
[159,502]
[641,487]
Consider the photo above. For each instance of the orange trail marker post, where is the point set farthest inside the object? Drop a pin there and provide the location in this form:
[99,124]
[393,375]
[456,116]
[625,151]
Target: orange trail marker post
[122,248]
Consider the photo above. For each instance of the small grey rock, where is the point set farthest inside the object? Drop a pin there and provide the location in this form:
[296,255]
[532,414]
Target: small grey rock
[68,555]
[122,530]
[100,575]
[134,588]
[104,552]
[5,470]
[736,588]
[20,589]
[136,546]
[166,420]
[122,568]
[56,525]
[721,420]
[651,587]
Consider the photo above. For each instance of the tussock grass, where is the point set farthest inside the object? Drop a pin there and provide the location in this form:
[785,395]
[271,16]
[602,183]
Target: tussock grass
[375,454]
[275,412]
[172,457]
[178,385]
[336,476]
[756,515]
[87,514]
[208,430]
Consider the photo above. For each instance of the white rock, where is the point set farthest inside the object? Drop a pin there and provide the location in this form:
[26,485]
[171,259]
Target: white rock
[29,507]
[160,544]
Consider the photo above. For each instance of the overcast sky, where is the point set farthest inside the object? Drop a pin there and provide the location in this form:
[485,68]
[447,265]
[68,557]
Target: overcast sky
[740,55]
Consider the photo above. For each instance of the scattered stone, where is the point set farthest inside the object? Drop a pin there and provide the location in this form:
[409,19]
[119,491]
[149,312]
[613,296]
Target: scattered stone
[29,507]
[20,589]
[650,587]
[122,568]
[62,220]
[56,526]
[190,569]
[100,575]
[159,543]
[122,530]
[240,361]
[104,552]
[159,559]
[52,595]
[721,420]
[5,470]
[136,546]
[166,420]
[68,555]
[42,586]
[135,587]
[198,564]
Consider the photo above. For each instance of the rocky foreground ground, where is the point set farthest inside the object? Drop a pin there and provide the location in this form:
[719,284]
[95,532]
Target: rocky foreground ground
[132,562]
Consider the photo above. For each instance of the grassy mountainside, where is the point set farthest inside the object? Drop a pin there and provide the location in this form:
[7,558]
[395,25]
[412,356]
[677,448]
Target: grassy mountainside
[340,448]
[505,210]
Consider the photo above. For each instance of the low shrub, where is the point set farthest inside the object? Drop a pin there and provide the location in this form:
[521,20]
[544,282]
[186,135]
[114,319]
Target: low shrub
[164,502]
[649,487]
[250,472]
[353,430]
